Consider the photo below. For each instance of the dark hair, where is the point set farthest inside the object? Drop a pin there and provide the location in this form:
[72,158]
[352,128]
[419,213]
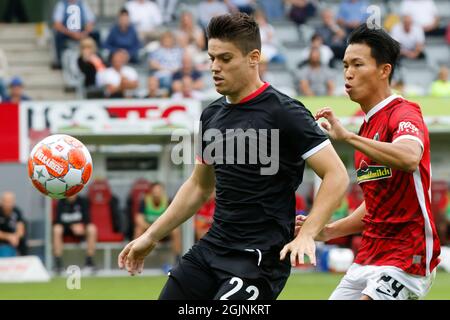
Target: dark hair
[123,11]
[384,49]
[238,28]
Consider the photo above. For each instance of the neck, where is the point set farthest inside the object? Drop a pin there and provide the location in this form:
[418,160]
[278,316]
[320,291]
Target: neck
[373,99]
[245,91]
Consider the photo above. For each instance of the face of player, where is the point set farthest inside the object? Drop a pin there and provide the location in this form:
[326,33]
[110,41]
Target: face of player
[232,71]
[363,77]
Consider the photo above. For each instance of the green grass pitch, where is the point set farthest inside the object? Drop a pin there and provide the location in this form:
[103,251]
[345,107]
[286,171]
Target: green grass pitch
[303,286]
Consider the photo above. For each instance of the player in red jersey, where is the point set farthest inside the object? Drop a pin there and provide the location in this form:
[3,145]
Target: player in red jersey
[400,247]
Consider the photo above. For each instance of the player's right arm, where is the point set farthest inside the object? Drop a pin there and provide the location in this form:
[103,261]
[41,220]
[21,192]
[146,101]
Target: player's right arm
[352,224]
[188,200]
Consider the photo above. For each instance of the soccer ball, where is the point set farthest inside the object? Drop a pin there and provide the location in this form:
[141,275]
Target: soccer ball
[59,166]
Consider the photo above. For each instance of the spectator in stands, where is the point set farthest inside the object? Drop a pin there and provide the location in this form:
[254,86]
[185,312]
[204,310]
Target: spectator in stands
[411,38]
[167,9]
[189,35]
[3,74]
[12,226]
[165,60]
[15,9]
[326,54]
[152,206]
[447,34]
[146,17]
[16,94]
[332,34]
[441,87]
[72,25]
[73,219]
[187,90]
[245,6]
[124,36]
[425,14]
[204,217]
[89,62]
[208,9]
[352,13]
[187,69]
[300,10]
[274,9]
[268,39]
[119,79]
[153,89]
[315,78]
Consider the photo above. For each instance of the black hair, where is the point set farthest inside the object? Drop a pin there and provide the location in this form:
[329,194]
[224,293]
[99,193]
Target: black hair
[238,28]
[123,11]
[384,49]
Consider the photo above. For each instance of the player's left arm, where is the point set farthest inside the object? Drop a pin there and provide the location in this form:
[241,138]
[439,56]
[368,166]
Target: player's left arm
[403,154]
[329,167]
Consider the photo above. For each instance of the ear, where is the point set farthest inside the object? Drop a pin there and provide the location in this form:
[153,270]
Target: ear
[254,57]
[385,71]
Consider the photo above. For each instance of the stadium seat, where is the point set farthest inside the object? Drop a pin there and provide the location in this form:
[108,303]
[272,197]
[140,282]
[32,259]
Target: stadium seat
[101,208]
[139,188]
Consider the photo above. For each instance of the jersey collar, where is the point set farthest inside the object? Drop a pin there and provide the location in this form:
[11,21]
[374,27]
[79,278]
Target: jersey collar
[254,94]
[380,106]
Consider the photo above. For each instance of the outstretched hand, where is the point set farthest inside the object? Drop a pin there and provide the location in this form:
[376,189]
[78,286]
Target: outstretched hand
[299,247]
[333,126]
[133,255]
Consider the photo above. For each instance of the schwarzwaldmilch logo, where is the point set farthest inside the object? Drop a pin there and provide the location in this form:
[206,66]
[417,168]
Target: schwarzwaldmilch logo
[371,173]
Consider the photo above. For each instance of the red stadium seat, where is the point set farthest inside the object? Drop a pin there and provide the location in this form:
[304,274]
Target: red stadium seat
[99,195]
[138,190]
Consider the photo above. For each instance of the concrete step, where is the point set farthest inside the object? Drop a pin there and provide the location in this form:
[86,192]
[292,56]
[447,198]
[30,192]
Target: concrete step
[37,57]
[21,45]
[26,70]
[19,31]
[49,80]
[49,94]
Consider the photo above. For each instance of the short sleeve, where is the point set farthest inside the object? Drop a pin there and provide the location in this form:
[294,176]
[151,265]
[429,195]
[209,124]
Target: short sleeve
[58,12]
[406,122]
[298,124]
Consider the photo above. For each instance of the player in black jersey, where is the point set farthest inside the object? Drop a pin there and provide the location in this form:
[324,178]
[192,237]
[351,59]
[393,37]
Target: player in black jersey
[254,142]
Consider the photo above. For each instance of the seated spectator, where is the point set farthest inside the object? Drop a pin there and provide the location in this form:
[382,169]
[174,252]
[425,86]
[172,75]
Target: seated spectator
[153,89]
[189,35]
[119,79]
[187,90]
[3,74]
[209,8]
[326,54]
[73,219]
[146,17]
[89,62]
[301,10]
[187,69]
[123,36]
[268,39]
[245,6]
[273,9]
[165,60]
[352,13]
[315,78]
[411,38]
[441,87]
[152,207]
[72,25]
[425,14]
[204,217]
[167,9]
[16,94]
[332,34]
[12,226]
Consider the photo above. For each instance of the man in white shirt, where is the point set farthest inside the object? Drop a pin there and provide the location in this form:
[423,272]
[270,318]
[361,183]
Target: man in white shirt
[146,17]
[424,13]
[118,80]
[411,38]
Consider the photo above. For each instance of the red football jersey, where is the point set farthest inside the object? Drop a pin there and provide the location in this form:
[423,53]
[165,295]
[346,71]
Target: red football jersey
[399,228]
